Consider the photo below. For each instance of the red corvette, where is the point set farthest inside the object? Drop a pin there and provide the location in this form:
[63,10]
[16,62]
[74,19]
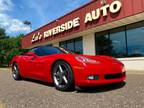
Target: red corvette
[67,70]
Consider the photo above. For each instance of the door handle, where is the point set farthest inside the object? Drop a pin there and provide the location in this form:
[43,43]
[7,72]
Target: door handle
[32,58]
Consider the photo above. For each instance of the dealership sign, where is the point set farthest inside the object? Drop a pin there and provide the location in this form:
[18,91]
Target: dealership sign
[63,27]
[113,8]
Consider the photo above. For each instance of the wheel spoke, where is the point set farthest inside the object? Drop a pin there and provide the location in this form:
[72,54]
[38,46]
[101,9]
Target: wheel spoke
[60,68]
[56,74]
[65,79]
[15,68]
[14,75]
[56,81]
[14,71]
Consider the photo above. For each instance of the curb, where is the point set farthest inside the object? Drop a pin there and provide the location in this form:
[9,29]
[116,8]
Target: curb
[127,72]
[135,72]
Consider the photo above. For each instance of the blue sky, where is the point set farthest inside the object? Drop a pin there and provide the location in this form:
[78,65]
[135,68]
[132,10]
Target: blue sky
[38,12]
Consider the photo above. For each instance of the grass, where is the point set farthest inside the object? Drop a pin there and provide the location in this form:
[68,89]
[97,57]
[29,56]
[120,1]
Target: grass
[4,66]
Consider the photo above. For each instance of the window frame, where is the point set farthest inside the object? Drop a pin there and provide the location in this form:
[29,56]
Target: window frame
[127,27]
[65,43]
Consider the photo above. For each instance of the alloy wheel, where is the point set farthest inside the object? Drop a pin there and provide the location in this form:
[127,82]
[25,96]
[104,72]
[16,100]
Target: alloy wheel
[61,75]
[14,72]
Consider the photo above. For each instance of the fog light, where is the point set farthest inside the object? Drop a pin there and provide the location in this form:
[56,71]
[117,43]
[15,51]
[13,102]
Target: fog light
[93,77]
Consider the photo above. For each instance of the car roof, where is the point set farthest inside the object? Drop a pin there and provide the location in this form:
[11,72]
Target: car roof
[41,47]
[44,46]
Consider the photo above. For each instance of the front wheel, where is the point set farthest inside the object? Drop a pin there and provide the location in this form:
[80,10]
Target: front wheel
[63,76]
[15,72]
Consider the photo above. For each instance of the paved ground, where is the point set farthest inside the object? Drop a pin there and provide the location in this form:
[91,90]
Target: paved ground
[33,94]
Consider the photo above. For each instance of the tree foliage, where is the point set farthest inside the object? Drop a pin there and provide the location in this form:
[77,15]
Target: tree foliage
[9,47]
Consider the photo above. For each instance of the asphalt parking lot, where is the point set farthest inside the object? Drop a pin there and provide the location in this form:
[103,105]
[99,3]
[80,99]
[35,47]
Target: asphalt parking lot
[35,94]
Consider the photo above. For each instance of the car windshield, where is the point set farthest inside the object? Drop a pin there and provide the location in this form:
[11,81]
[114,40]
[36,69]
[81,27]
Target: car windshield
[46,50]
[66,50]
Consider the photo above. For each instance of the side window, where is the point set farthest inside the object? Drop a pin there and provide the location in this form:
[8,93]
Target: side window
[37,51]
[33,50]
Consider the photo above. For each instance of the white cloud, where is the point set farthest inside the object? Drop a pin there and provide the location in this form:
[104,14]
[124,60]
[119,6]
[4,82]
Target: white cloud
[11,24]
[5,5]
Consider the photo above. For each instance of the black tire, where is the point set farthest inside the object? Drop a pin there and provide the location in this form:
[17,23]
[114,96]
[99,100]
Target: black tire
[15,72]
[62,75]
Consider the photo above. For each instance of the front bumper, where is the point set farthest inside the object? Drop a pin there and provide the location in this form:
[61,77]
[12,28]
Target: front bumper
[101,81]
[107,75]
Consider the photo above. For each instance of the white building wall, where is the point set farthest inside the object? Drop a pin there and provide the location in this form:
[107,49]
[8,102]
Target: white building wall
[56,44]
[133,63]
[89,44]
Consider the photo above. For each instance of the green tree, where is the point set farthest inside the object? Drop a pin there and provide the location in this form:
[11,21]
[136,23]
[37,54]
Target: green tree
[3,34]
[2,52]
[9,47]
[12,47]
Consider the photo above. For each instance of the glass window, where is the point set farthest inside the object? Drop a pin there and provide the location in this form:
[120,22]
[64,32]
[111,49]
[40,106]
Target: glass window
[135,38]
[118,42]
[32,50]
[111,43]
[70,45]
[74,45]
[103,43]
[121,42]
[37,51]
[63,45]
[78,46]
[47,50]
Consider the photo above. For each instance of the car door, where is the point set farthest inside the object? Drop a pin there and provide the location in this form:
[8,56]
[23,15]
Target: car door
[26,66]
[37,68]
[36,65]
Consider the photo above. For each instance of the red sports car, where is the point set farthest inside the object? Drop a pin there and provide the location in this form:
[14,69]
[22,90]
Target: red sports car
[67,70]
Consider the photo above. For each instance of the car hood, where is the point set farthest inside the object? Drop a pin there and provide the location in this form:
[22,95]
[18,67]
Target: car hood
[104,59]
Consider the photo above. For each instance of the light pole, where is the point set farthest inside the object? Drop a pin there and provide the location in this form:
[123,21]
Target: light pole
[28,23]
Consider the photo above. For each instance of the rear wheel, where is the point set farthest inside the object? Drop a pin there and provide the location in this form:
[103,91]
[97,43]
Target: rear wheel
[63,76]
[15,72]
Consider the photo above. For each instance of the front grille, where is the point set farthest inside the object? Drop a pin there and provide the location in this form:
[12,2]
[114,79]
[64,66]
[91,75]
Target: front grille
[114,76]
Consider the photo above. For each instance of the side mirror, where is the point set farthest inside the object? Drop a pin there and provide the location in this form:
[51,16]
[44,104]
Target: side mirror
[31,54]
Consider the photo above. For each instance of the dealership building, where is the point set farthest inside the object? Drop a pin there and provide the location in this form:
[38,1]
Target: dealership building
[100,27]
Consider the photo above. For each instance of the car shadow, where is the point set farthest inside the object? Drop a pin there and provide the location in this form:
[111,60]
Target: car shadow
[95,89]
[38,82]
[100,89]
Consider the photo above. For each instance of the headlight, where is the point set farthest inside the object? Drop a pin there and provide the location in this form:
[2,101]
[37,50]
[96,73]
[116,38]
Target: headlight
[123,69]
[86,60]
